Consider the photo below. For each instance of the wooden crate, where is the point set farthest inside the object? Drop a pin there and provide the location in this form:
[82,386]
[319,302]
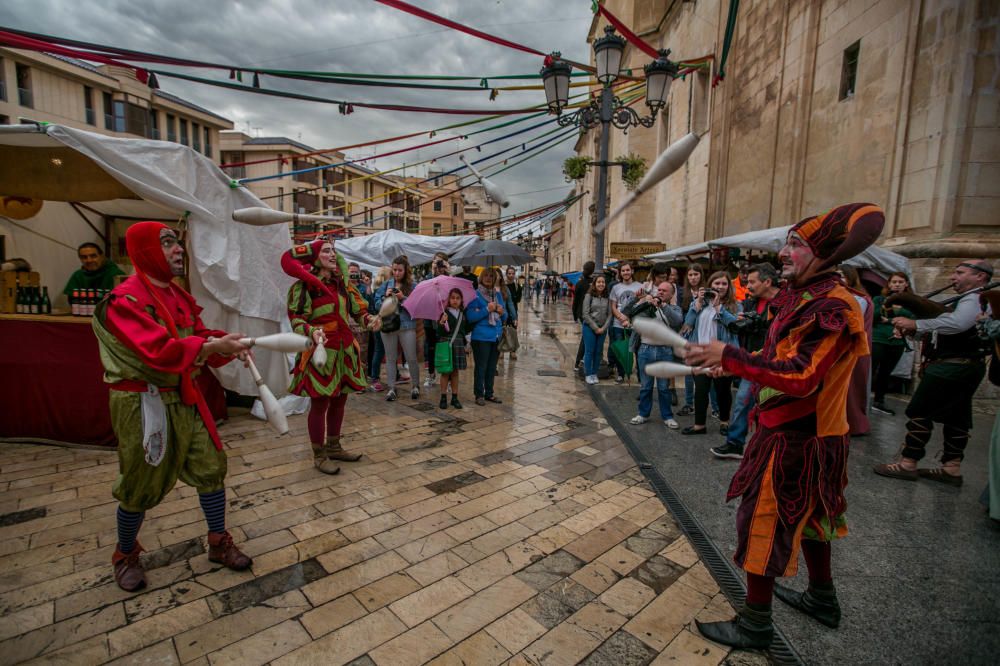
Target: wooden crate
[9,281]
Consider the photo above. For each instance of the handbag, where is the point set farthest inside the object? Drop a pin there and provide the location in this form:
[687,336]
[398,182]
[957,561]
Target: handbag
[444,358]
[391,323]
[509,341]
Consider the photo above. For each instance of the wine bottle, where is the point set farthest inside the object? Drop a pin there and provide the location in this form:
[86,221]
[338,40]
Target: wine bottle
[92,303]
[19,300]
[74,303]
[46,307]
[32,301]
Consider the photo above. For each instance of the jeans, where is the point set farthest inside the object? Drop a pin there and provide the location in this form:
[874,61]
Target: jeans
[407,337]
[593,345]
[378,354]
[740,421]
[652,354]
[724,391]
[485,355]
[615,335]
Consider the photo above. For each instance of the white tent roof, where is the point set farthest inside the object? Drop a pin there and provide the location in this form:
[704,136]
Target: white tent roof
[235,273]
[772,240]
[379,249]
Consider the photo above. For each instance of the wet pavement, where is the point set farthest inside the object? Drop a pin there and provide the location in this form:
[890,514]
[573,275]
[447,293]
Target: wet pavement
[919,575]
[520,533]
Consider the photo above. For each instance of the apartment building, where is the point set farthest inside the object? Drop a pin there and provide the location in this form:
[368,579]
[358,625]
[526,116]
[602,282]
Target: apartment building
[442,210]
[482,214]
[106,99]
[308,183]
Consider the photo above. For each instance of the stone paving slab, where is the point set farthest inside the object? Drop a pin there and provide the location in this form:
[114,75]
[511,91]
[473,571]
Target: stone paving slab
[519,533]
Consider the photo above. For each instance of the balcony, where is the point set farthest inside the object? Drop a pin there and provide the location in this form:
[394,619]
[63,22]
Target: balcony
[25,98]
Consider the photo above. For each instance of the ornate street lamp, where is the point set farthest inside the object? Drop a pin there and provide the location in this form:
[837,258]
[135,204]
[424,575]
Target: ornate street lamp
[607,109]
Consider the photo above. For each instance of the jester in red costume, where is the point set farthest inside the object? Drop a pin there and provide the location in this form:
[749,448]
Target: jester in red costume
[153,343]
[791,480]
[321,306]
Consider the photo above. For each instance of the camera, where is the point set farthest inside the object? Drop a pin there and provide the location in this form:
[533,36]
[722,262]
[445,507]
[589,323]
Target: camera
[439,263]
[749,323]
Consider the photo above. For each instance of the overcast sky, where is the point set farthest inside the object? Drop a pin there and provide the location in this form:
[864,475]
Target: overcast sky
[348,36]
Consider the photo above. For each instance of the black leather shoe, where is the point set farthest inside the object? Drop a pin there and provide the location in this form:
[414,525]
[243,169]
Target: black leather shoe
[455,403]
[691,430]
[819,605]
[750,628]
[443,403]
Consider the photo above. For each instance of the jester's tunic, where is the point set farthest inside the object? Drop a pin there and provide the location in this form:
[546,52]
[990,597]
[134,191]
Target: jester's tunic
[794,471]
[332,311]
[137,350]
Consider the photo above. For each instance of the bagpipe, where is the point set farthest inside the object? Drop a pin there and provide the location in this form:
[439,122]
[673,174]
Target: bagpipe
[924,308]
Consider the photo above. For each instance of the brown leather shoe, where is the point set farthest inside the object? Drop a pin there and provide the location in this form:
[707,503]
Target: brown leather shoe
[322,461]
[129,573]
[335,451]
[222,550]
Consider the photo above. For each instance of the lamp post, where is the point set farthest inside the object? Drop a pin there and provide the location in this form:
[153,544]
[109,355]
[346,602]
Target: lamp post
[607,109]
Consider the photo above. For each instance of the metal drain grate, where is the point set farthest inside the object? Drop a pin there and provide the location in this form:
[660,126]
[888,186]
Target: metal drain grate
[730,582]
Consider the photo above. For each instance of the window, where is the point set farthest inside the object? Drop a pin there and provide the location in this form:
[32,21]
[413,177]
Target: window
[109,118]
[208,140]
[230,157]
[4,120]
[849,72]
[3,81]
[184,132]
[196,136]
[88,106]
[437,229]
[454,210]
[154,124]
[118,115]
[437,206]
[171,128]
[281,198]
[136,119]
[24,97]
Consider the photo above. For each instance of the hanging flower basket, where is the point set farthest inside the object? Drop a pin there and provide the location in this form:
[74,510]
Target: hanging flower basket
[633,169]
[575,168]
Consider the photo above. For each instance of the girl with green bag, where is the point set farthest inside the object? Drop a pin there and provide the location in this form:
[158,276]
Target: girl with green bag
[449,352]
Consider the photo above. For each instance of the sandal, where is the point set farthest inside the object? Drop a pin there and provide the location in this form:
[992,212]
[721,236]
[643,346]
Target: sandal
[895,471]
[938,474]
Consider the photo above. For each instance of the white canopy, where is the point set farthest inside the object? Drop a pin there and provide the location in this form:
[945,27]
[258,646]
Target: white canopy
[772,240]
[235,274]
[379,249]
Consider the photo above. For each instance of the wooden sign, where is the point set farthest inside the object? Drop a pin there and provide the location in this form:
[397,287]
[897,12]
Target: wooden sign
[627,251]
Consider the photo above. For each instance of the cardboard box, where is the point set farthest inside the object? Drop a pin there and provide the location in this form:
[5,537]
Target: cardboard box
[9,282]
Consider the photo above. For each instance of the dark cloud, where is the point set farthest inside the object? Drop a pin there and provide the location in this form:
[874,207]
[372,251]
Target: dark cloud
[343,35]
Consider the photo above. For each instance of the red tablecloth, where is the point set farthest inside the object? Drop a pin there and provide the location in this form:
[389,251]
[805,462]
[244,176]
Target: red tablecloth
[52,386]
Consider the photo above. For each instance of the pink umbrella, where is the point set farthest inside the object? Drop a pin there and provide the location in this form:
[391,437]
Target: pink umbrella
[430,297]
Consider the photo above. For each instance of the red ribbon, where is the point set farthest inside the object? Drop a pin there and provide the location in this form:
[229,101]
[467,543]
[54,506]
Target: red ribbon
[632,38]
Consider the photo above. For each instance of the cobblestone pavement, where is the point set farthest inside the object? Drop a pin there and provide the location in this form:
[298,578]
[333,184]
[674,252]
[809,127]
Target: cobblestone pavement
[519,533]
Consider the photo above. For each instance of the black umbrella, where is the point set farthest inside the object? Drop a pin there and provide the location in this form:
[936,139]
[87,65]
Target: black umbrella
[492,253]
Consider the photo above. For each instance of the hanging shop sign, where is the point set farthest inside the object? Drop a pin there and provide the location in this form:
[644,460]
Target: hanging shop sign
[627,251]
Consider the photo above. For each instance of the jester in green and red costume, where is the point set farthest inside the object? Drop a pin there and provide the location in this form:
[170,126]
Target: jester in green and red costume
[792,477]
[320,306]
[153,344]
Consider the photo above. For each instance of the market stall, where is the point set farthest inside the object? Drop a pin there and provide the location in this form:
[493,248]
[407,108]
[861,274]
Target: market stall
[90,188]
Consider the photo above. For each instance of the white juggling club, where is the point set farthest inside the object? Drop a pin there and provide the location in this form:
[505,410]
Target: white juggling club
[655,332]
[259,216]
[272,410]
[672,159]
[290,343]
[389,306]
[319,357]
[666,370]
[492,191]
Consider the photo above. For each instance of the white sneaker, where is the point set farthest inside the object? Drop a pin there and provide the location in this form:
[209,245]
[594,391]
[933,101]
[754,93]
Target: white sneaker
[639,420]
[430,381]
[672,424]
[591,379]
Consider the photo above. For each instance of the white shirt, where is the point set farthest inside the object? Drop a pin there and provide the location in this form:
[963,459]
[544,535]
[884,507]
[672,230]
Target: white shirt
[962,319]
[706,326]
[621,296]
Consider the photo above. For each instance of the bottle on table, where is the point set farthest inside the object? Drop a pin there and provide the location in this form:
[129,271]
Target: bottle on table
[46,304]
[74,303]
[19,300]
[91,301]
[33,300]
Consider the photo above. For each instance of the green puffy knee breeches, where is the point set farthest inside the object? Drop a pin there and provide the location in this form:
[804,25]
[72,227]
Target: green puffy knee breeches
[190,454]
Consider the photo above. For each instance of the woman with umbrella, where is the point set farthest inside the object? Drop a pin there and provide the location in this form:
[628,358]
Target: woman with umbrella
[486,314]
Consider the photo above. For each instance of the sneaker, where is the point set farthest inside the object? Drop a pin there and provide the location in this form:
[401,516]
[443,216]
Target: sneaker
[671,423]
[391,395]
[430,381]
[376,387]
[728,450]
[619,380]
[686,410]
[592,379]
[882,409]
[639,420]
[715,414]
[415,393]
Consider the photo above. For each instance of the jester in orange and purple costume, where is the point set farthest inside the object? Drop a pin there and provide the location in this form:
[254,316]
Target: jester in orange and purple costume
[320,306]
[792,478]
